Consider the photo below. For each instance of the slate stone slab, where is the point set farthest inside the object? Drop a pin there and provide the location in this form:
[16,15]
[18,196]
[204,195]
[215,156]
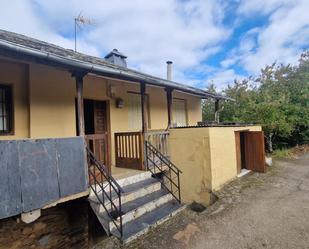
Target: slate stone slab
[10,188]
[34,173]
[71,166]
[39,176]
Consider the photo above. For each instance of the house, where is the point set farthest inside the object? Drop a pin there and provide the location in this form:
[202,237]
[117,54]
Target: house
[78,130]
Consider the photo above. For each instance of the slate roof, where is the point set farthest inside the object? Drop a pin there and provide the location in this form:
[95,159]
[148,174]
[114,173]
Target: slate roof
[30,49]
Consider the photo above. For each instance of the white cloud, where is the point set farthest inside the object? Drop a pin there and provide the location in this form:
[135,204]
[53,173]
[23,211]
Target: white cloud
[186,32]
[221,78]
[281,40]
[149,33]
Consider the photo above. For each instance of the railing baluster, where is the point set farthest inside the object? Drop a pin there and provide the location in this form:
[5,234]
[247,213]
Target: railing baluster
[152,156]
[100,194]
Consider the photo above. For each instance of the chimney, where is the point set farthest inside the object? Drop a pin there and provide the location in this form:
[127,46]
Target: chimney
[169,70]
[116,58]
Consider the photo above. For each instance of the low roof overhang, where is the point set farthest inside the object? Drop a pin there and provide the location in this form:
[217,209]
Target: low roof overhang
[24,53]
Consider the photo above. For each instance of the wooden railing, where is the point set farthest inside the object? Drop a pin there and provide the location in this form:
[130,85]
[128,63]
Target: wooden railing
[129,148]
[159,139]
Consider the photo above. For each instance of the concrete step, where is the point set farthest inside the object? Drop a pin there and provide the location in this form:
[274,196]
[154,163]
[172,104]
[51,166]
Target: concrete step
[134,209]
[141,225]
[123,182]
[131,192]
[134,179]
[144,205]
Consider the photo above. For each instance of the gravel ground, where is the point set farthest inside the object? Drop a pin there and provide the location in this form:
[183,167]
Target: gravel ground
[257,211]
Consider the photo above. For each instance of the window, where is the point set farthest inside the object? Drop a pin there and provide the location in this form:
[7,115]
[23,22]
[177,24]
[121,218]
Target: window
[179,112]
[135,111]
[6,110]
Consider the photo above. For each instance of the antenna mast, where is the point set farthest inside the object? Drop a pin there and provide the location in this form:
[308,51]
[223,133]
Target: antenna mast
[78,22]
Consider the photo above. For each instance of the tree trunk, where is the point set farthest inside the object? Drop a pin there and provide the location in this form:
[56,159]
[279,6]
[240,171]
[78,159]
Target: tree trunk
[269,142]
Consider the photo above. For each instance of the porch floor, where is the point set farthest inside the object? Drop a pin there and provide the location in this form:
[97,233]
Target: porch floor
[119,173]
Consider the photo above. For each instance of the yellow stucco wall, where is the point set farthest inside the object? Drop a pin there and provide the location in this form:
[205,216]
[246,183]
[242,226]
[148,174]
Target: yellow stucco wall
[45,107]
[194,107]
[207,157]
[223,153]
[52,103]
[16,74]
[189,151]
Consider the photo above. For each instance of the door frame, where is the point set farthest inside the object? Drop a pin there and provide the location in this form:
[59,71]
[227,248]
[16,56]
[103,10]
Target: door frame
[108,128]
[239,155]
[245,152]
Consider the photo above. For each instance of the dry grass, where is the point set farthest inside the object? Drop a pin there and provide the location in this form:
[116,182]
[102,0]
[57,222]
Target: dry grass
[294,152]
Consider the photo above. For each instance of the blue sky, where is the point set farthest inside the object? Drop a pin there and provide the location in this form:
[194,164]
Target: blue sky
[209,41]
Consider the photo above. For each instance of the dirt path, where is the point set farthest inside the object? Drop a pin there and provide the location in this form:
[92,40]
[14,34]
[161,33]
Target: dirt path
[258,211]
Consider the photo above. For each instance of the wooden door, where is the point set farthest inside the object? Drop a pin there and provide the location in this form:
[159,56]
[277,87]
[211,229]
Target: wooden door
[255,151]
[101,131]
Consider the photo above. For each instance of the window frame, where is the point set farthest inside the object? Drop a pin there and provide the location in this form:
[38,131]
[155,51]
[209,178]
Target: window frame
[186,110]
[11,114]
[147,107]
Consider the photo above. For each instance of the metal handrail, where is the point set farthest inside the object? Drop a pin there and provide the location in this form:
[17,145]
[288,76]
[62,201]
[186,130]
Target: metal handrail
[104,186]
[152,153]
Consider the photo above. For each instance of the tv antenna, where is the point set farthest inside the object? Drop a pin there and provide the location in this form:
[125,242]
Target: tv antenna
[79,21]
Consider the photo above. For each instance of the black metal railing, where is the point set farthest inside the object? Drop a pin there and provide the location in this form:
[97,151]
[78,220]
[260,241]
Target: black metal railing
[106,189]
[163,169]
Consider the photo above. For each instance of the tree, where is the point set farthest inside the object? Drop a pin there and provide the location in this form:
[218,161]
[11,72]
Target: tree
[278,99]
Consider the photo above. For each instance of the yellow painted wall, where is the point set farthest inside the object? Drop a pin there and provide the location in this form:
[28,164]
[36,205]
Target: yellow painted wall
[15,74]
[189,151]
[51,96]
[52,103]
[96,88]
[158,108]
[207,157]
[194,107]
[223,153]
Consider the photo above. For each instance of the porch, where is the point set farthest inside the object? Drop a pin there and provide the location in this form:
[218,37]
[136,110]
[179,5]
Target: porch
[130,158]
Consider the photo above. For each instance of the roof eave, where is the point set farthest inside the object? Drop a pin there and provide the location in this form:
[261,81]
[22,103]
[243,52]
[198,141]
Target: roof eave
[130,75]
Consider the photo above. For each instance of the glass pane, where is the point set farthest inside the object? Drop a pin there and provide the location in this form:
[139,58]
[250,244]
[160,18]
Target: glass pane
[5,124]
[1,123]
[4,109]
[1,93]
[1,109]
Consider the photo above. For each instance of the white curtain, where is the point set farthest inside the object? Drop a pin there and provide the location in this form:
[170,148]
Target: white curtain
[179,112]
[135,112]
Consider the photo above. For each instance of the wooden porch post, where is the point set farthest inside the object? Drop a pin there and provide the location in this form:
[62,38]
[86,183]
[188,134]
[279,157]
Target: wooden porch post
[169,98]
[80,101]
[144,107]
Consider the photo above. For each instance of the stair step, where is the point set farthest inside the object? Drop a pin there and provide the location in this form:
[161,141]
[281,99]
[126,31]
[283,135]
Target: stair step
[134,209]
[131,192]
[141,225]
[123,182]
[134,179]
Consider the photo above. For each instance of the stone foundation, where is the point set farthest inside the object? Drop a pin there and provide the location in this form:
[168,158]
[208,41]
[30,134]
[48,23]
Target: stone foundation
[63,226]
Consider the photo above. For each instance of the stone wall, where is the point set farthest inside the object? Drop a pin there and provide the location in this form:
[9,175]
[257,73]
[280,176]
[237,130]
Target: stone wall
[63,226]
